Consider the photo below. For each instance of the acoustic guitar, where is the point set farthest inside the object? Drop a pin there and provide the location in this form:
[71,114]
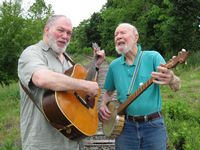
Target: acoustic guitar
[73,113]
[113,127]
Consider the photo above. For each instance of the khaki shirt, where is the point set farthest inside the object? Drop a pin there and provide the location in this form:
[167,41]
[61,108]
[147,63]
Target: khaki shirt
[36,132]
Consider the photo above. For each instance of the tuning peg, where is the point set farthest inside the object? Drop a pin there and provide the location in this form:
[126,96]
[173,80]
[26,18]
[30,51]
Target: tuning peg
[183,50]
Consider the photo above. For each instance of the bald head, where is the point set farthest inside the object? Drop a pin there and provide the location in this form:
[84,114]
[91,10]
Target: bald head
[128,26]
[126,37]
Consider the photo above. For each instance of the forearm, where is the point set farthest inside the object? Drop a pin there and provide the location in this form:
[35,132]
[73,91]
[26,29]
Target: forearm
[57,81]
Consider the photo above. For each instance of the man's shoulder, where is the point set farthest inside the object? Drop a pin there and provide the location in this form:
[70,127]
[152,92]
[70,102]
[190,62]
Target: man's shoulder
[34,48]
[116,61]
[151,52]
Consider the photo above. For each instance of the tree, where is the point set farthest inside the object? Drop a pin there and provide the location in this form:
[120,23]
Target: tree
[17,32]
[185,30]
[11,23]
[39,10]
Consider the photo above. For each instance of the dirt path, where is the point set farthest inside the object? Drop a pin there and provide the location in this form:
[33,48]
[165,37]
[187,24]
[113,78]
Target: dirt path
[99,141]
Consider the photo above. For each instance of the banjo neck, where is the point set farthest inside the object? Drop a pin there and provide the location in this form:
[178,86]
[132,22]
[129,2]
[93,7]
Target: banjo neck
[133,97]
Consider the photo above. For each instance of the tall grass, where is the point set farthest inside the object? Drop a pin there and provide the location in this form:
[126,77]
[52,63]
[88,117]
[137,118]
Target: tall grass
[182,109]
[9,118]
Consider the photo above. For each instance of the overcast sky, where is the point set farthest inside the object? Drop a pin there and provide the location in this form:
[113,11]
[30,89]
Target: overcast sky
[76,10]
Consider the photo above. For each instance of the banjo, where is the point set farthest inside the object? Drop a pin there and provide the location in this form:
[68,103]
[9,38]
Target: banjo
[114,126]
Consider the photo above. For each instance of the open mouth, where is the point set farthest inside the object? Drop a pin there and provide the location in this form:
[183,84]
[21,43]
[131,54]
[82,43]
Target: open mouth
[62,43]
[120,43]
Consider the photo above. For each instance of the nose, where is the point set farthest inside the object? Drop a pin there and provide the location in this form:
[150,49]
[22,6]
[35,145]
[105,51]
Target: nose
[65,35]
[117,38]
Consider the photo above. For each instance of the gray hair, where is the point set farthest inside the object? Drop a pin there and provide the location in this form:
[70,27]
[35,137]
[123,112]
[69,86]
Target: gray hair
[52,19]
[130,26]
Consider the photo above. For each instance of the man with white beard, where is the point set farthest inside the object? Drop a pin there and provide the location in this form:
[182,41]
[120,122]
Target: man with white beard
[144,127]
[41,67]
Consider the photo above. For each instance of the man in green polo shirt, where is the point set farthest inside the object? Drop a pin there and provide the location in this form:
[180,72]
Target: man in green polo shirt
[41,67]
[144,126]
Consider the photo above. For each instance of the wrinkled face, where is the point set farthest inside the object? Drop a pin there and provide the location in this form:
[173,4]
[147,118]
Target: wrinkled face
[125,39]
[59,35]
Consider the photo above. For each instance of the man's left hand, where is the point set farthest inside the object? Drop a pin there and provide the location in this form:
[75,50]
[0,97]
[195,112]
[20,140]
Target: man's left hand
[100,56]
[163,76]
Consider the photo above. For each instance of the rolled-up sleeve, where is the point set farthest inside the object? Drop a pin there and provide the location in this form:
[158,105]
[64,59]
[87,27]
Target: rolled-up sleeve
[30,61]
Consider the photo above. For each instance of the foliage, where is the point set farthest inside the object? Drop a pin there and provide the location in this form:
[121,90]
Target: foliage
[166,26]
[10,36]
[183,123]
[17,32]
[182,110]
[39,10]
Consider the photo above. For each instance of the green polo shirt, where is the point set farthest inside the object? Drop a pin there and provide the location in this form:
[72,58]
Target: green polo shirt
[36,132]
[119,77]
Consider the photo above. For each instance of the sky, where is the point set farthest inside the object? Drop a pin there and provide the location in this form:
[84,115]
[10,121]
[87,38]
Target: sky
[76,10]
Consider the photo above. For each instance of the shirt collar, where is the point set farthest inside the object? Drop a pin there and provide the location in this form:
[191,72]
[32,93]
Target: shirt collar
[44,46]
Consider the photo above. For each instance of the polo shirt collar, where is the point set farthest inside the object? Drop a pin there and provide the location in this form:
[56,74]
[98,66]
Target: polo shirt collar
[123,60]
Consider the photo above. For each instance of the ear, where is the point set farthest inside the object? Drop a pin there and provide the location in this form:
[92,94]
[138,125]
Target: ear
[136,38]
[46,29]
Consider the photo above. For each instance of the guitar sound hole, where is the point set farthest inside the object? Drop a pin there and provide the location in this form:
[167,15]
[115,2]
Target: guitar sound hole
[82,100]
[90,102]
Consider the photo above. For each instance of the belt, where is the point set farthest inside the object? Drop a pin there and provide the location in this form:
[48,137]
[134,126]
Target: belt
[144,118]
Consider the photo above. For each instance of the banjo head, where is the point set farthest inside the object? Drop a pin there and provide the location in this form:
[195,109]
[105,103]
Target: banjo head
[114,125]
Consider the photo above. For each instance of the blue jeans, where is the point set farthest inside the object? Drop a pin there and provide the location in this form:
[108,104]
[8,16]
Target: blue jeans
[150,135]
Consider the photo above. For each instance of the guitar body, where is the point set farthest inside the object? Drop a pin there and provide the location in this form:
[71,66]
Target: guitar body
[114,126]
[70,111]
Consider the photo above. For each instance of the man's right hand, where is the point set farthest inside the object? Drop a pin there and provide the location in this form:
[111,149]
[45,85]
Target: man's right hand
[92,89]
[104,113]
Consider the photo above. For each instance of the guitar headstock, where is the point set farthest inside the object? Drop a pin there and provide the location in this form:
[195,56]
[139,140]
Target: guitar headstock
[179,59]
[95,48]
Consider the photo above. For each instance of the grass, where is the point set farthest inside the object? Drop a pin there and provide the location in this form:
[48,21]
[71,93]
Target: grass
[182,111]
[9,116]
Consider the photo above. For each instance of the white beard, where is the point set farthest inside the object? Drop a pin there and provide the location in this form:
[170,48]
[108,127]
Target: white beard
[55,48]
[126,48]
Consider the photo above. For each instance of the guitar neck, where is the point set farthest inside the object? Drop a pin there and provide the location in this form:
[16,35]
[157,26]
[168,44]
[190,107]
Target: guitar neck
[132,97]
[92,72]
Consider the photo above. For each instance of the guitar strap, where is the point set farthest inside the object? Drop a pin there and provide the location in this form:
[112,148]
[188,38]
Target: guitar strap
[135,74]
[68,58]
[57,126]
[31,97]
